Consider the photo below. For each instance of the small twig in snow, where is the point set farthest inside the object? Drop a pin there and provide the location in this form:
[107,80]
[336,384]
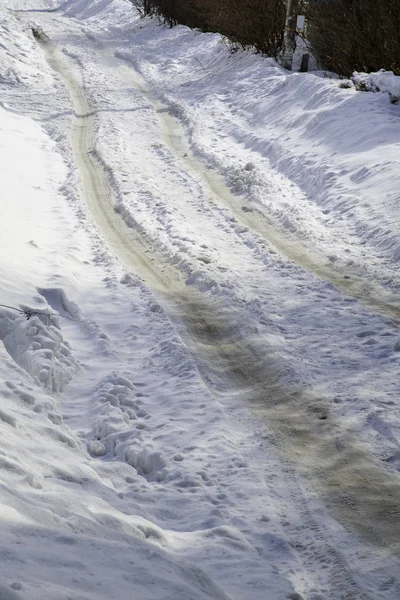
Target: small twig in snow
[28,313]
[197,60]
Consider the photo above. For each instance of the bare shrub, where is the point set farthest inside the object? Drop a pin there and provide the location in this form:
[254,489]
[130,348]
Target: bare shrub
[248,23]
[144,7]
[356,35]
[255,23]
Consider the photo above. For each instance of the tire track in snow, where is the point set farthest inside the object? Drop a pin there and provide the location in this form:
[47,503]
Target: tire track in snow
[371,294]
[314,443]
[295,427]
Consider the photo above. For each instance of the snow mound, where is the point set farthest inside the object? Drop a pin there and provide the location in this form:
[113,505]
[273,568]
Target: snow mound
[381,81]
[85,9]
[119,423]
[20,61]
[90,9]
[39,348]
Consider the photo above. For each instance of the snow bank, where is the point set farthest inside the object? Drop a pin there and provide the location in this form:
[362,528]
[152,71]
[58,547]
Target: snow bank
[61,520]
[20,62]
[381,81]
[38,346]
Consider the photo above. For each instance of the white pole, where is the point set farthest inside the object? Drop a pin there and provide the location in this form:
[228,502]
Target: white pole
[288,37]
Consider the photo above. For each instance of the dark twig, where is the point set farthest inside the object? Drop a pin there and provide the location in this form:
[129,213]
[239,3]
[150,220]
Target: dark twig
[28,313]
[202,66]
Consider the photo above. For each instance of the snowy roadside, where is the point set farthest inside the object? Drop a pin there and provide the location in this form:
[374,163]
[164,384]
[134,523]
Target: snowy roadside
[151,475]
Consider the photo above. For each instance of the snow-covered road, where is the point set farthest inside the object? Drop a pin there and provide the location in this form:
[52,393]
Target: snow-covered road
[234,374]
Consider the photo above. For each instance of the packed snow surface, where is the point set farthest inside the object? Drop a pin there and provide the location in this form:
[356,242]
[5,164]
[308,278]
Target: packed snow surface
[199,371]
